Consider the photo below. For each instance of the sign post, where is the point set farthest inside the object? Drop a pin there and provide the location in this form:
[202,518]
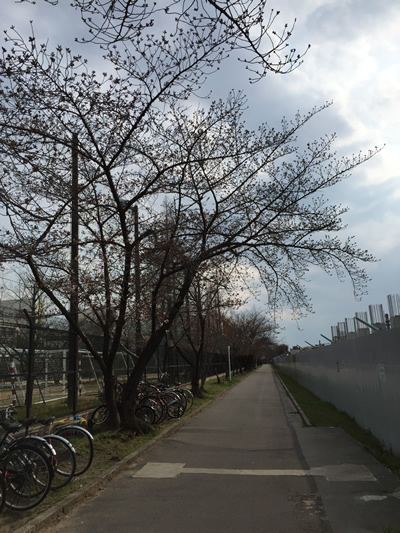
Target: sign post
[229,364]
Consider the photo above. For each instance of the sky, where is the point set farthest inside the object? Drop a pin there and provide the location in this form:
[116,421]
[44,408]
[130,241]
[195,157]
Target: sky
[353,62]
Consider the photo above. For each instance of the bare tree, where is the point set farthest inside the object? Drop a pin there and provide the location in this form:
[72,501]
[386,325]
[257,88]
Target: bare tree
[197,331]
[250,334]
[27,316]
[179,42]
[249,199]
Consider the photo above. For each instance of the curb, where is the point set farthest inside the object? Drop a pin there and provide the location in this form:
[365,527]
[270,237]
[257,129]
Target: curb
[47,518]
[296,405]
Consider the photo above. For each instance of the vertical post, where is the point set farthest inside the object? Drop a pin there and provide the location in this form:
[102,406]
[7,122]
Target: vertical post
[46,376]
[229,364]
[80,374]
[31,355]
[138,329]
[73,337]
[12,372]
[64,381]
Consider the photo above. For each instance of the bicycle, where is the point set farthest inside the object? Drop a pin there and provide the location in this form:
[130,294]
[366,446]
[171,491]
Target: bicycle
[80,438]
[33,440]
[154,404]
[100,415]
[186,394]
[26,469]
[59,449]
[178,398]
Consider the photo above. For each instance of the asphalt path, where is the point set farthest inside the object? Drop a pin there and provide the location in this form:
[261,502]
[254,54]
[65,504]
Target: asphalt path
[245,464]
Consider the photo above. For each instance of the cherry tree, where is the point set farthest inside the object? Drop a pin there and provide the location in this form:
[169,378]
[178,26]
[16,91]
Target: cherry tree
[129,138]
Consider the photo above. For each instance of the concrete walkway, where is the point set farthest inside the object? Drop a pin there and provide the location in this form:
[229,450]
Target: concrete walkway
[246,464]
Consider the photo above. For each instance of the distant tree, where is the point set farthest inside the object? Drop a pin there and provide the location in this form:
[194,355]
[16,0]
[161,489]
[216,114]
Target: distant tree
[197,330]
[282,348]
[26,315]
[250,334]
[274,349]
[249,199]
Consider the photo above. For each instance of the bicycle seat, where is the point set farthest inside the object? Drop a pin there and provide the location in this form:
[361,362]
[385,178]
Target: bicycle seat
[46,421]
[10,427]
[26,422]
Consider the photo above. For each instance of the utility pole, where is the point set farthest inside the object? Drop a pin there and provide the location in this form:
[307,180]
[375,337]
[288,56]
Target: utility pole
[74,295]
[138,327]
[31,357]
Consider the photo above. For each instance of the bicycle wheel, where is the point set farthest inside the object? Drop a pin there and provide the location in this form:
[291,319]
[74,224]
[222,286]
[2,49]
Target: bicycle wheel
[41,444]
[99,416]
[182,398]
[175,408]
[3,491]
[65,465]
[189,398]
[28,474]
[158,405]
[145,413]
[82,442]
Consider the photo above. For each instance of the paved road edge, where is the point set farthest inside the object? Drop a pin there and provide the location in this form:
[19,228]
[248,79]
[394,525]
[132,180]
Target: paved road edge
[296,405]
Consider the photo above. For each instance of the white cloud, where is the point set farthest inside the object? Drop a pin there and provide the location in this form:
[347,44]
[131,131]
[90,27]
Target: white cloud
[354,61]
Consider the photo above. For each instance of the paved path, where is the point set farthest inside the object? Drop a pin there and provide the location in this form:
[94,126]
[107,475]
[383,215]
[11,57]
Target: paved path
[246,464]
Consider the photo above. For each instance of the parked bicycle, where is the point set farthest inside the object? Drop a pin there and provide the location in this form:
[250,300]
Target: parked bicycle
[155,403]
[73,443]
[22,436]
[79,437]
[26,468]
[64,458]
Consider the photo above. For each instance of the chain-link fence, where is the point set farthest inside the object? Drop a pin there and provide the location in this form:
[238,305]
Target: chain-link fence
[50,376]
[46,365]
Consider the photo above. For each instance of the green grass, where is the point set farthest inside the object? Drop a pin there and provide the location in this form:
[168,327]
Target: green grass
[321,413]
[58,408]
[110,446]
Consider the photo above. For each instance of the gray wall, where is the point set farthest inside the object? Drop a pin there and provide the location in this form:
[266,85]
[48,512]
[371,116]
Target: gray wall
[360,376]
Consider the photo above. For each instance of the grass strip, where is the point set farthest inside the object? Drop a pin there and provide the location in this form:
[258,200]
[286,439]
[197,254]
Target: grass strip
[321,413]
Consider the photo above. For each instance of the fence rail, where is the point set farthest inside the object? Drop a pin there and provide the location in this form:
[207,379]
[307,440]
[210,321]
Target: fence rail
[360,376]
[50,373]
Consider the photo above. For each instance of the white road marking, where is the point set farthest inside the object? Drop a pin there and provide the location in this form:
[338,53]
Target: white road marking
[379,497]
[331,472]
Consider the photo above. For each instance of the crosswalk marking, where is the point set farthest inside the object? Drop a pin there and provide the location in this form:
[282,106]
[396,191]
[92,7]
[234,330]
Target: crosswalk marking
[344,472]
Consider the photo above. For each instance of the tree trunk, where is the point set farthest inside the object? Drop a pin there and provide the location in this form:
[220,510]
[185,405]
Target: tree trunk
[131,388]
[109,389]
[195,379]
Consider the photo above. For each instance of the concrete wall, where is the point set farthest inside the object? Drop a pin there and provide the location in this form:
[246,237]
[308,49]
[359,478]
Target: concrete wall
[360,376]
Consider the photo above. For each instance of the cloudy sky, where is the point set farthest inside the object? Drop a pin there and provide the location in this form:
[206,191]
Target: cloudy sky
[354,62]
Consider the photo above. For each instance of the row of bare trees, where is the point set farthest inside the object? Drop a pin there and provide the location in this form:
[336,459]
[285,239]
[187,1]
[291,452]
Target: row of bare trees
[207,325]
[168,198]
